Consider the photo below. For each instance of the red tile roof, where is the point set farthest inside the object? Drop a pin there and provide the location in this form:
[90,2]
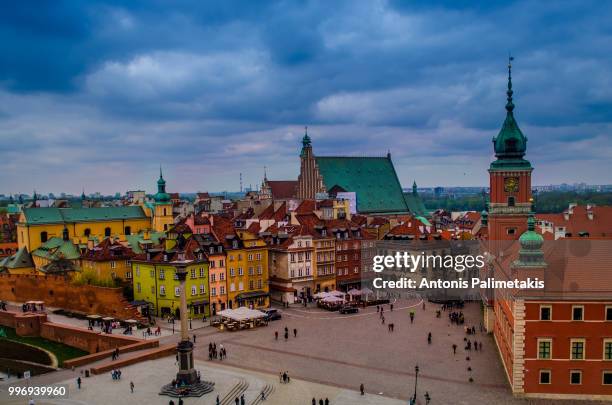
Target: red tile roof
[283,189]
[578,221]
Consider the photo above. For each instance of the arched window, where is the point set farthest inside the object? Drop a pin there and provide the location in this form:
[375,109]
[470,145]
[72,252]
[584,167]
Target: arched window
[510,201]
[43,237]
[128,230]
[107,231]
[87,232]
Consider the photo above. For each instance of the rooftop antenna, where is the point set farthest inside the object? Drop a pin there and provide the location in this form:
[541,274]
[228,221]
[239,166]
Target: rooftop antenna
[241,182]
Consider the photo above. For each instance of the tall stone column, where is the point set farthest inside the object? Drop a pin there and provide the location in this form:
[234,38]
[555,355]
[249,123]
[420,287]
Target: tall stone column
[187,374]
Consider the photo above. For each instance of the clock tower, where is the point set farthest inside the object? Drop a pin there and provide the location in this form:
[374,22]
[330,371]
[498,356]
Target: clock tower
[510,178]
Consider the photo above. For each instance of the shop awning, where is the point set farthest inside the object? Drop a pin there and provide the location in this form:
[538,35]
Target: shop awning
[251,294]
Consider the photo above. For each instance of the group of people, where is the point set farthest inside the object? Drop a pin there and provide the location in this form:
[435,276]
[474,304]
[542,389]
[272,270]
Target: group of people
[115,354]
[283,377]
[321,402]
[214,353]
[116,374]
[468,345]
[286,333]
[456,317]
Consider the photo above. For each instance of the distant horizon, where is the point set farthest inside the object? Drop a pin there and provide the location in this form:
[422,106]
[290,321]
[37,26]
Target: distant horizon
[58,194]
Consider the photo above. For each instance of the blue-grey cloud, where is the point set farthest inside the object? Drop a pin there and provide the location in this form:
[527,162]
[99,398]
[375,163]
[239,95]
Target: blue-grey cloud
[99,93]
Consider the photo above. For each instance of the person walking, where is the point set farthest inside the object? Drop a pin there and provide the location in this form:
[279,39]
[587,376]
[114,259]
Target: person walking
[454,349]
[242,400]
[194,338]
[411,316]
[314,401]
[280,377]
[429,338]
[275,335]
[263,395]
[362,389]
[132,386]
[320,401]
[294,332]
[286,335]
[237,401]
[218,402]
[326,401]
[79,383]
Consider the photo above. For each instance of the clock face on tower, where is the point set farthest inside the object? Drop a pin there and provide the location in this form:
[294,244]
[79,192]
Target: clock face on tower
[511,184]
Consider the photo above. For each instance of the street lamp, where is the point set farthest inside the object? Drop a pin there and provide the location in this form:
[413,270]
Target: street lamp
[427,398]
[416,378]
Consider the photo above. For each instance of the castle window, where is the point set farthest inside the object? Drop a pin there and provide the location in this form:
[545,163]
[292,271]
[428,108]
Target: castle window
[511,201]
[575,377]
[44,237]
[545,312]
[577,313]
[87,232]
[511,231]
[107,232]
[164,212]
[545,376]
[128,230]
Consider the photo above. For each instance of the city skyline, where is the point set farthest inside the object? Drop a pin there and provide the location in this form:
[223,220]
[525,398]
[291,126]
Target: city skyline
[211,92]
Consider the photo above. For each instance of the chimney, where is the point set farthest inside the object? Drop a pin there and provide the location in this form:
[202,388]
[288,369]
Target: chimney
[590,215]
[566,215]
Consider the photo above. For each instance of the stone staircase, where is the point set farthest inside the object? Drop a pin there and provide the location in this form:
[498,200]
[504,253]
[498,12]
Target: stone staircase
[268,390]
[235,392]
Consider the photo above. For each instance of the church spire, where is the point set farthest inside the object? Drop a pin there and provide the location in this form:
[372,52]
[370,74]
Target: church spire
[509,92]
[510,144]
[306,142]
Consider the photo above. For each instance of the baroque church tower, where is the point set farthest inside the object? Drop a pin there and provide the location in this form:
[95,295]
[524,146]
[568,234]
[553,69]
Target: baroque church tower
[510,178]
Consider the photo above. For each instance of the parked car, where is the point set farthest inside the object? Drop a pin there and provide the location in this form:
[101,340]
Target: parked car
[347,309]
[272,314]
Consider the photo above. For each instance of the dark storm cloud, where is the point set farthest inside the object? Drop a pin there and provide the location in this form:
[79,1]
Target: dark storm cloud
[106,91]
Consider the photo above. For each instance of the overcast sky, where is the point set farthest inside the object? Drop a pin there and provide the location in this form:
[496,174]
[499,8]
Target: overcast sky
[99,94]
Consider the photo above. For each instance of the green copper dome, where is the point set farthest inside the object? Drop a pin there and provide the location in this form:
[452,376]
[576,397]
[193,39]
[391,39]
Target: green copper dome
[161,197]
[531,254]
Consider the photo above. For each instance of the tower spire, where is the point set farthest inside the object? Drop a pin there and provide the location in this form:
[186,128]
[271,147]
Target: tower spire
[510,104]
[161,176]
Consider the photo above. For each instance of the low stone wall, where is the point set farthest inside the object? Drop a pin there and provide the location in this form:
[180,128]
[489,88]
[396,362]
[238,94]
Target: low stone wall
[84,339]
[58,291]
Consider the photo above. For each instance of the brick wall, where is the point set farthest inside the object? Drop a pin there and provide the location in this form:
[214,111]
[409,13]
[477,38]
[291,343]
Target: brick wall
[84,339]
[57,291]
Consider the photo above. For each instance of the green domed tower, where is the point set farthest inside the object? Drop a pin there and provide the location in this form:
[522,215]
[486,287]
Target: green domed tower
[161,197]
[531,254]
[163,218]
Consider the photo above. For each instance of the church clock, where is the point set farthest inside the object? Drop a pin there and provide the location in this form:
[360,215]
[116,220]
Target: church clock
[511,184]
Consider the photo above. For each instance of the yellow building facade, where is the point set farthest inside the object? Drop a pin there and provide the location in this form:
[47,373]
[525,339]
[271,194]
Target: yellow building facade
[247,272]
[38,225]
[156,283]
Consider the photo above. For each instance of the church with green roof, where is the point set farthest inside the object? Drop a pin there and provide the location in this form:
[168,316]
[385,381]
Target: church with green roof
[373,180]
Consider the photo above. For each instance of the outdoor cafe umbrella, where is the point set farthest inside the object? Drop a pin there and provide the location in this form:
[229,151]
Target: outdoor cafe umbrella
[337,293]
[366,291]
[321,294]
[353,291]
[332,300]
